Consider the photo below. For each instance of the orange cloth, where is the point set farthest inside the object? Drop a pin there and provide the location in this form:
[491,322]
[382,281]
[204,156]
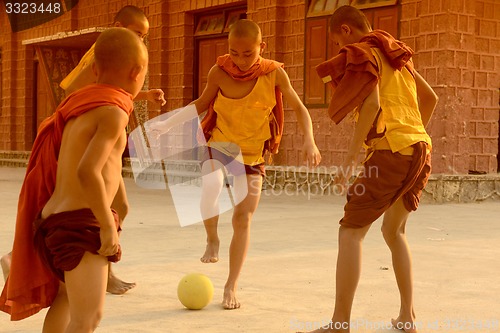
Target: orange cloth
[31,286]
[387,176]
[261,67]
[353,73]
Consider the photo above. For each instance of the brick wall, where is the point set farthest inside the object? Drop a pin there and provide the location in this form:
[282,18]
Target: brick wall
[457,51]
[457,45]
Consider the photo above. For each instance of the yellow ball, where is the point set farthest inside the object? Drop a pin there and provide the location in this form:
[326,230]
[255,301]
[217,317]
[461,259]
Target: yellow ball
[195,291]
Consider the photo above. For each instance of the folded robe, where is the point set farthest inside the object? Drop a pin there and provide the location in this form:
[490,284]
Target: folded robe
[387,177]
[353,73]
[261,67]
[31,286]
[61,239]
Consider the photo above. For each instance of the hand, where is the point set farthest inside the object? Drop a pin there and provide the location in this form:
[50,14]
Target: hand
[346,171]
[311,154]
[156,129]
[156,96]
[109,241]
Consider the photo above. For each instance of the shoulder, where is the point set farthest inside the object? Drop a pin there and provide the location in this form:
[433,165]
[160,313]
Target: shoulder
[281,77]
[216,74]
[108,116]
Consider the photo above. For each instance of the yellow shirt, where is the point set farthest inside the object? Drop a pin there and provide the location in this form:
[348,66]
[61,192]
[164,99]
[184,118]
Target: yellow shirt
[400,116]
[244,122]
[87,59]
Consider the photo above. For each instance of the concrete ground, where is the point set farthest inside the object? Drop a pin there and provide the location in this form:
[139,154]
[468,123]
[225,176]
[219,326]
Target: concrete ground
[288,280]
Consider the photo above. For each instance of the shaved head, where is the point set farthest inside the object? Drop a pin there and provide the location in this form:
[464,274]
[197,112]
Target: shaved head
[245,29]
[118,48]
[350,16]
[129,15]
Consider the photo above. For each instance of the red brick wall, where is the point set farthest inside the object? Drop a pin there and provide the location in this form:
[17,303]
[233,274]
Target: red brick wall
[457,45]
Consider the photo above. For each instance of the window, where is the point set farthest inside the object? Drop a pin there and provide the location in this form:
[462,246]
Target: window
[325,7]
[218,23]
[382,14]
[372,3]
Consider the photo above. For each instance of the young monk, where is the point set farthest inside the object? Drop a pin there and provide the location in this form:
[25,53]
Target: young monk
[65,205]
[243,89]
[373,73]
[134,19]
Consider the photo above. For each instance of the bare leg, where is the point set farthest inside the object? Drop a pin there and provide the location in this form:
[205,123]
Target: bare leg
[117,286]
[347,278]
[86,289]
[5,263]
[57,318]
[238,249]
[393,229]
[212,183]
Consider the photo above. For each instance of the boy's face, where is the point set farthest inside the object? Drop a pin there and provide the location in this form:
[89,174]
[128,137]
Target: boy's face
[139,27]
[245,51]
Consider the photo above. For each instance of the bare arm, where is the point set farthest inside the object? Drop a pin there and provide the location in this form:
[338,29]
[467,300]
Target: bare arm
[201,105]
[312,155]
[367,114]
[427,98]
[152,95]
[110,127]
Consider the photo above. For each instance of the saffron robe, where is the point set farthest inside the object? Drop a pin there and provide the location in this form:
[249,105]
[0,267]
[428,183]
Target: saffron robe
[261,67]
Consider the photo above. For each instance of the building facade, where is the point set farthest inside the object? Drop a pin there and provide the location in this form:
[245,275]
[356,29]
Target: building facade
[456,44]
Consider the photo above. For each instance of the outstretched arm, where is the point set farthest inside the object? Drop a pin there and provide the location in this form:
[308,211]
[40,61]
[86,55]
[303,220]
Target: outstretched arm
[427,98]
[200,105]
[152,95]
[311,152]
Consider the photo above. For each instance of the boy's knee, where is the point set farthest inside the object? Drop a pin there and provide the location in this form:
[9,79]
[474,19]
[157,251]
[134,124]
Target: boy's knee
[87,323]
[390,233]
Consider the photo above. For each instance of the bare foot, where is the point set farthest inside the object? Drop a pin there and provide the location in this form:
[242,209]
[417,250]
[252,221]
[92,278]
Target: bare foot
[211,253]
[117,286]
[229,301]
[5,263]
[408,326]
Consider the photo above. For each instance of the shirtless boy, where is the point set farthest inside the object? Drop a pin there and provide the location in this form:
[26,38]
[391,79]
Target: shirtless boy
[134,19]
[76,232]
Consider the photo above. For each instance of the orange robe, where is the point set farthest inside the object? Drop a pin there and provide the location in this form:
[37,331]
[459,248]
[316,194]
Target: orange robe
[261,67]
[387,176]
[31,286]
[353,73]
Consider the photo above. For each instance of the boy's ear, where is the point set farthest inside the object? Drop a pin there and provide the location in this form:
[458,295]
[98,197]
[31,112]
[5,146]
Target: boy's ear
[345,29]
[118,25]
[135,71]
[262,47]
